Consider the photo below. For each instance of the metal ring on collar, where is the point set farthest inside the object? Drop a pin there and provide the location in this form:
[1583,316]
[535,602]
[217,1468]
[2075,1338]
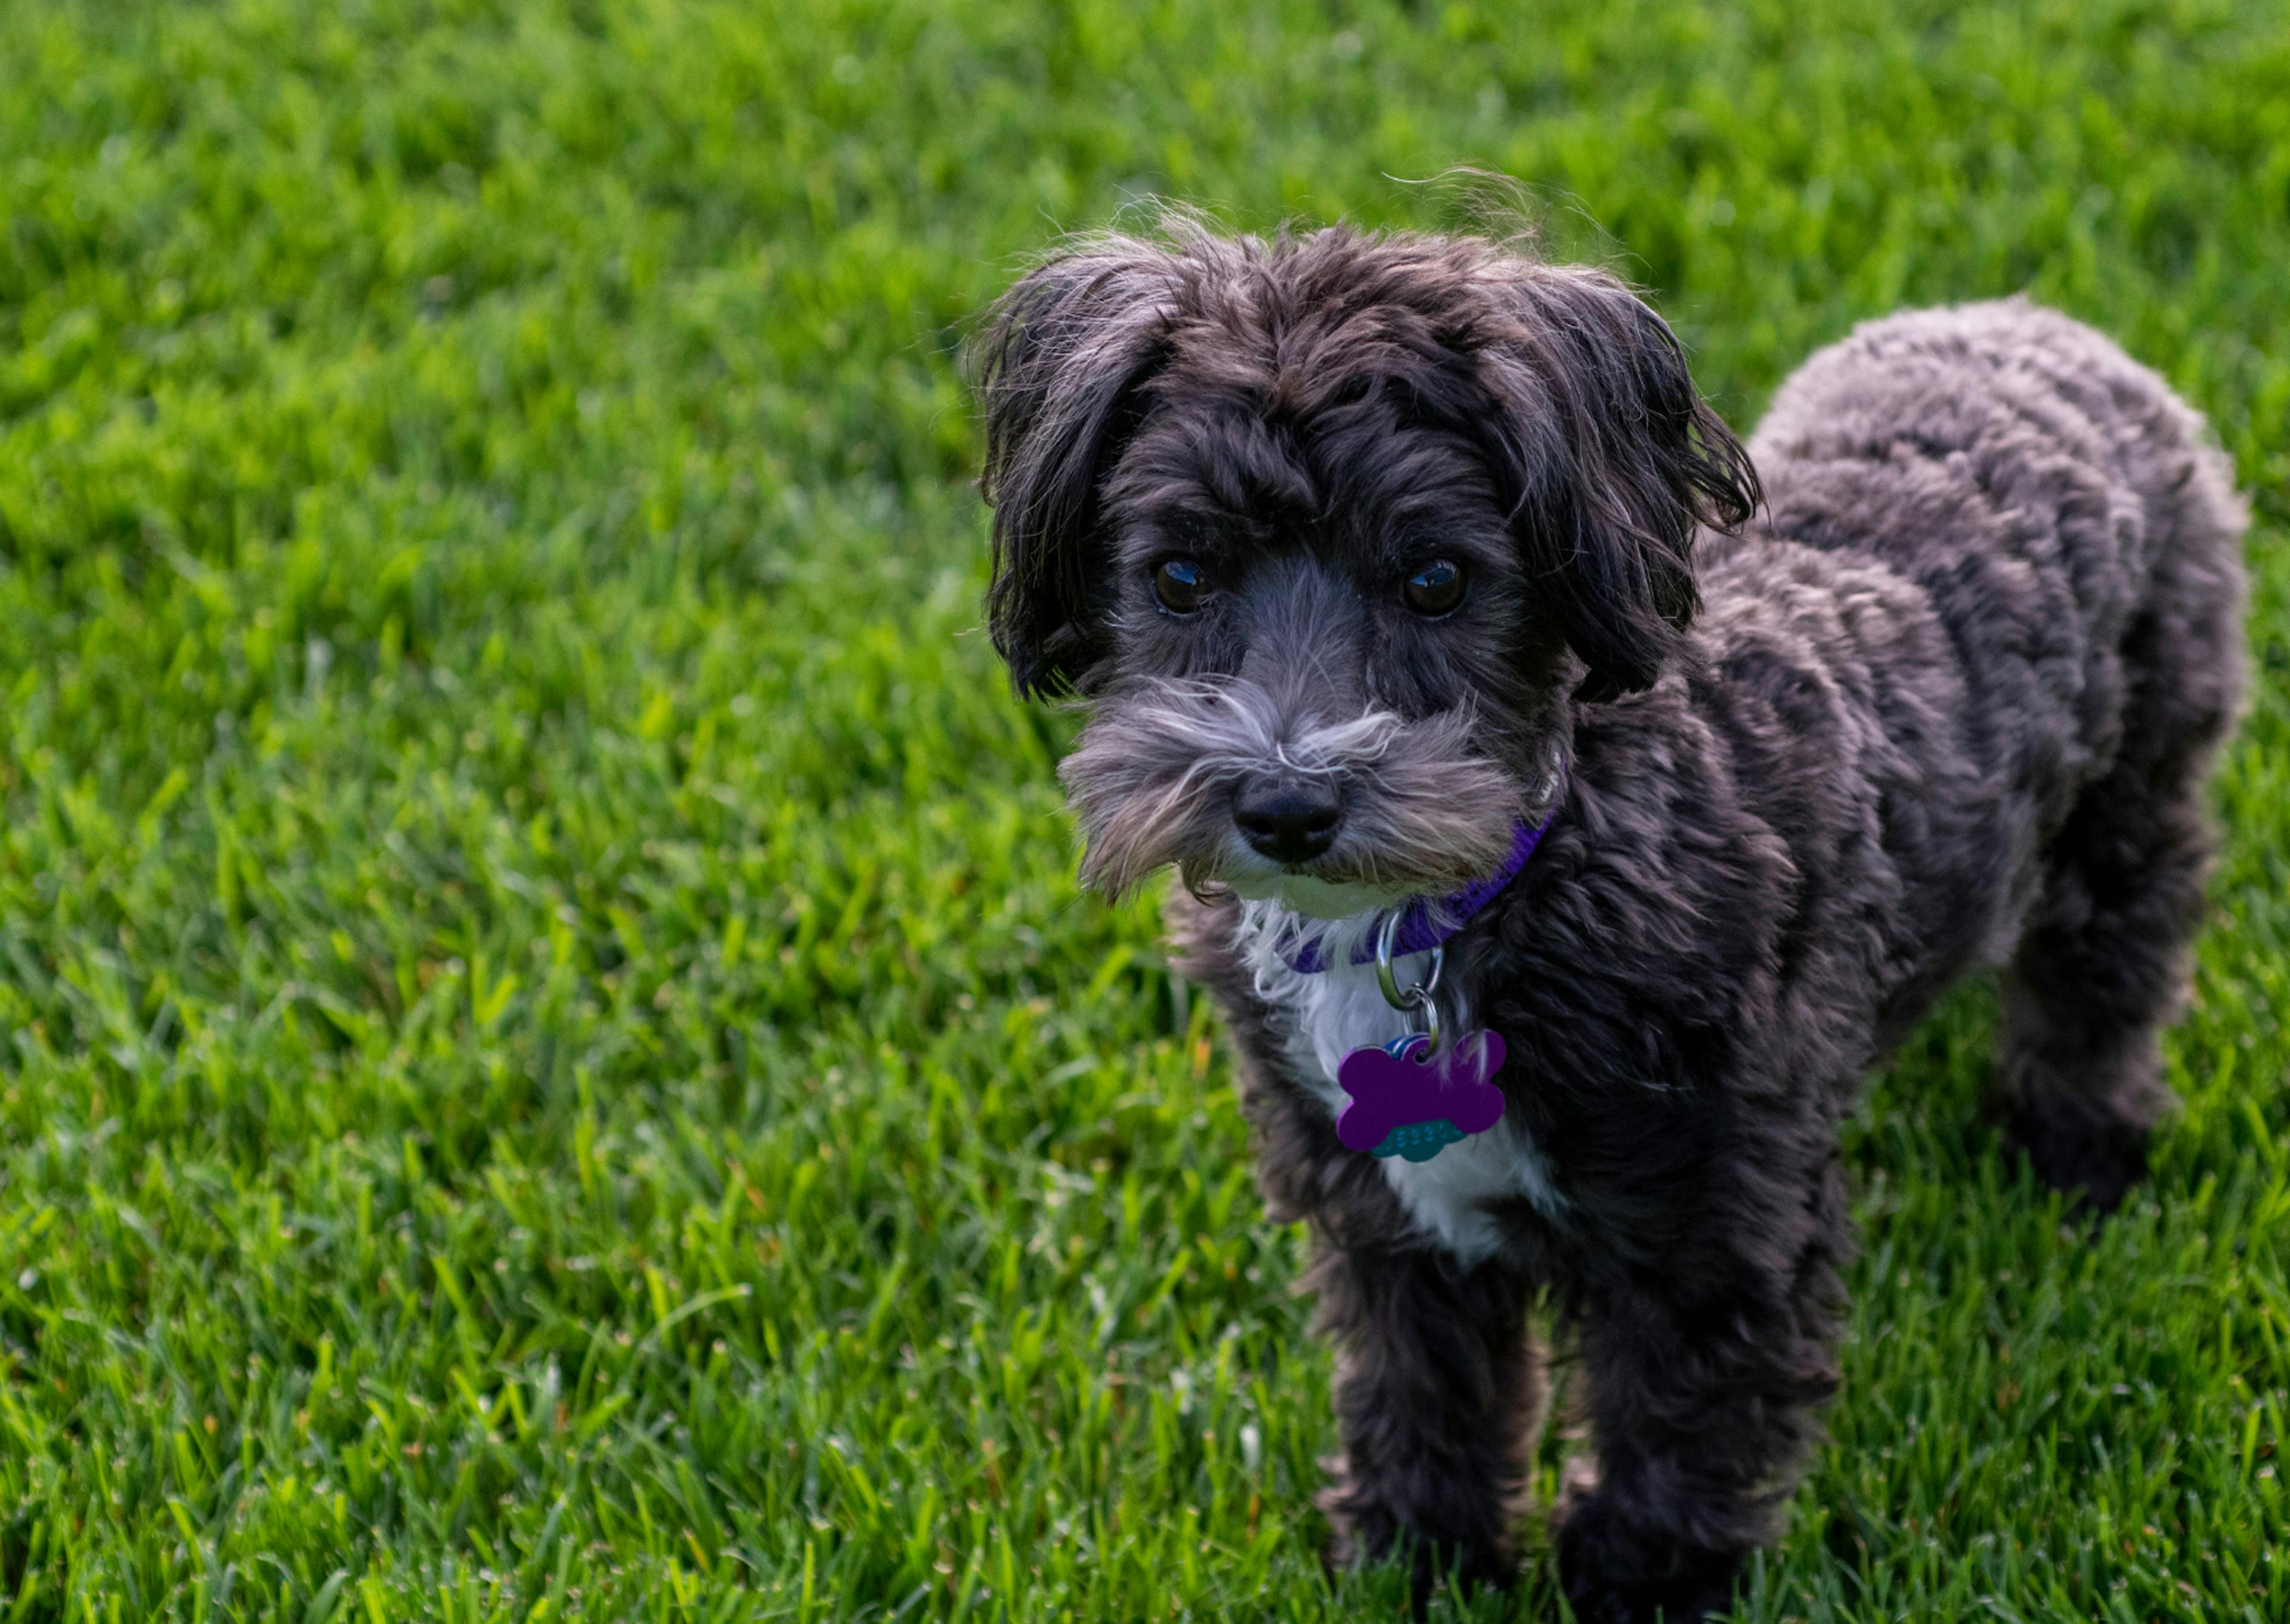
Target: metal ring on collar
[1416,998]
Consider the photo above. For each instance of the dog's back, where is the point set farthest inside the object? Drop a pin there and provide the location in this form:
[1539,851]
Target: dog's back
[2014,559]
[2059,504]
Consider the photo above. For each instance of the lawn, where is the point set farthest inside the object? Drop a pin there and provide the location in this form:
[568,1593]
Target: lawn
[552,1061]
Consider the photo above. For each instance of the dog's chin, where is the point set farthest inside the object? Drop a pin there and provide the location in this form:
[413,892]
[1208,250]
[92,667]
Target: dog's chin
[1313,898]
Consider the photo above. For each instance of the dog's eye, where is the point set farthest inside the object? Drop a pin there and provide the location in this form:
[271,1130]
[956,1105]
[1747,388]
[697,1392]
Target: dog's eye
[1435,589]
[1181,585]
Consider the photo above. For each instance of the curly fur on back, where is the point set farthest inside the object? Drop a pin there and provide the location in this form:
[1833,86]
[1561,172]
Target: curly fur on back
[1949,697]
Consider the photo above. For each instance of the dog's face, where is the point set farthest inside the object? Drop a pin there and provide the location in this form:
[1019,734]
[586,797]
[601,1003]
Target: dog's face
[1333,532]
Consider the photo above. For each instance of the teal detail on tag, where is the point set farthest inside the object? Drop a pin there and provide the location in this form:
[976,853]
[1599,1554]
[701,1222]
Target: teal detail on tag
[1420,1141]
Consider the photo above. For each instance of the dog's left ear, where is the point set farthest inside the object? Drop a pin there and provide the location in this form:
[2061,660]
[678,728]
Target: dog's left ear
[1060,366]
[1612,459]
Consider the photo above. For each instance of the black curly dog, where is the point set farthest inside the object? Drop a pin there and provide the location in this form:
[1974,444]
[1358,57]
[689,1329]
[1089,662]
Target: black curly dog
[1368,553]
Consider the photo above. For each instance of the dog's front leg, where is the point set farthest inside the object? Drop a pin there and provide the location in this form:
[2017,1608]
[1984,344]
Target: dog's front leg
[1704,1383]
[1437,1391]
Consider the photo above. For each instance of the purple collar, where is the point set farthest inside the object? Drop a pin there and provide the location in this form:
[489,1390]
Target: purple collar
[1420,927]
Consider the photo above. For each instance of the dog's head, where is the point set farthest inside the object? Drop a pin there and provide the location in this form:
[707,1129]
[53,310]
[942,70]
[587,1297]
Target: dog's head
[1331,530]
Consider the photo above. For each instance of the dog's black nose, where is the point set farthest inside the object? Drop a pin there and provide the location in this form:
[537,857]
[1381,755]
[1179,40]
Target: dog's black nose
[1288,821]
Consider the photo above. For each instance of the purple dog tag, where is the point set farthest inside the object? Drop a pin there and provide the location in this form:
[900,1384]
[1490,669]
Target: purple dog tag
[1406,1102]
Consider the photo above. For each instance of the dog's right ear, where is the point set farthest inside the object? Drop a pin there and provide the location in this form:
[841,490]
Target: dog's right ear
[1060,366]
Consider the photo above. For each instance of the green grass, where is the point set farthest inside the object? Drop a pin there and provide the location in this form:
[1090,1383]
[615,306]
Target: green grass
[551,1059]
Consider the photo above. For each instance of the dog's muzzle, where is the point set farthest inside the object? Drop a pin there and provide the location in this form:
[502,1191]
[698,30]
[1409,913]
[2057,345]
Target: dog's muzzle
[1241,786]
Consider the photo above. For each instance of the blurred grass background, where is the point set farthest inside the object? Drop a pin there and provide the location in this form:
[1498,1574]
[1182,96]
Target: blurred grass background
[551,1062]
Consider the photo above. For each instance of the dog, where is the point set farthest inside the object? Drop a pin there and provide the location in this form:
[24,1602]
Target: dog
[1504,716]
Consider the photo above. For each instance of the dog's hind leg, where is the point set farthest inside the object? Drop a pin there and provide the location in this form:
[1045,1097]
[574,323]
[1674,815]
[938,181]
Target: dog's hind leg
[2103,959]
[1438,1389]
[2078,1077]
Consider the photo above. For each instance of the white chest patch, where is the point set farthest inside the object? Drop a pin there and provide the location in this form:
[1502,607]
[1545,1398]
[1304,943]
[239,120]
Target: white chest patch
[1330,1013]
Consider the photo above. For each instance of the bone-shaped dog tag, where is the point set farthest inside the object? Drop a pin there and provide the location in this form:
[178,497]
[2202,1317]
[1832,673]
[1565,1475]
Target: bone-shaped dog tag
[1406,1101]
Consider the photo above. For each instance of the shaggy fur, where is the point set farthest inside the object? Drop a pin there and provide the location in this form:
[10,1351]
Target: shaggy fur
[1948,697]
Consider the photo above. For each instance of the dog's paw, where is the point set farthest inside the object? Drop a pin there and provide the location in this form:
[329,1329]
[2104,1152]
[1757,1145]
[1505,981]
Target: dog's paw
[1614,1574]
[1362,1531]
[2094,1160]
